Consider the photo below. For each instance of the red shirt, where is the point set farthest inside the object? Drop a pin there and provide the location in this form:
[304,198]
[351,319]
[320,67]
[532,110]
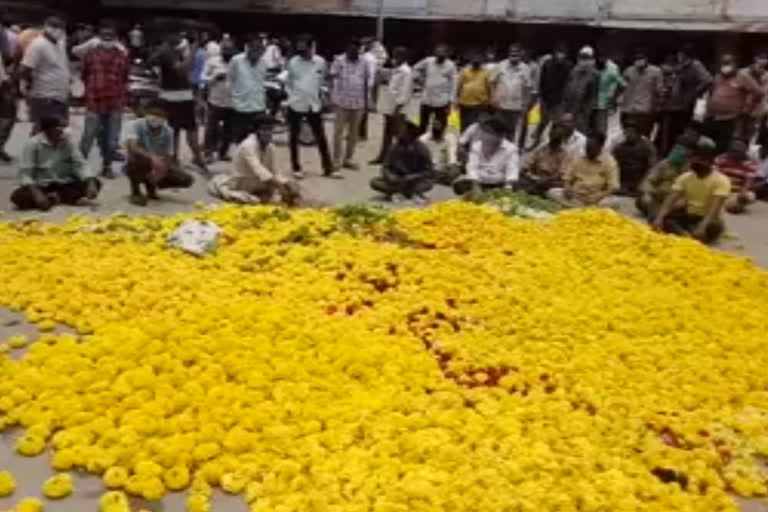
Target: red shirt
[738,171]
[105,75]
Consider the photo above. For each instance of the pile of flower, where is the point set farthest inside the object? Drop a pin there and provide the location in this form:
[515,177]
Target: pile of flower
[449,359]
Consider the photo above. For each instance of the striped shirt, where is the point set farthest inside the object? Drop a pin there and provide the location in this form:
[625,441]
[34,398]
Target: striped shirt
[739,172]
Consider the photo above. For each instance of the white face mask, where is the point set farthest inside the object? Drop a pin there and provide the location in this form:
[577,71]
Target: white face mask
[155,121]
[727,70]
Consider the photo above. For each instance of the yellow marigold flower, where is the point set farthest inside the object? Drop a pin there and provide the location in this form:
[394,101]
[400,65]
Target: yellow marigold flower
[58,486]
[7,484]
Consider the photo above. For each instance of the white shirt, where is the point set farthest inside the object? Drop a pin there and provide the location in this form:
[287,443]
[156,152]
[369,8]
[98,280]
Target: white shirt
[398,91]
[373,67]
[440,81]
[215,76]
[273,56]
[470,135]
[444,151]
[82,49]
[251,161]
[576,144]
[511,85]
[503,167]
[305,79]
[50,69]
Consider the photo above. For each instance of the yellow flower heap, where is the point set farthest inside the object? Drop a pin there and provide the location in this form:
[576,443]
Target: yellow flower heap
[445,359]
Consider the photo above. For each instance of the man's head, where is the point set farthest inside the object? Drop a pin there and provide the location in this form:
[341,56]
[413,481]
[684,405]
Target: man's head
[493,132]
[155,115]
[680,153]
[53,128]
[438,128]
[107,30]
[352,50]
[761,61]
[254,47]
[738,149]
[567,124]
[475,59]
[641,58]
[556,136]
[631,132]
[54,28]
[561,51]
[586,54]
[441,52]
[409,133]
[304,44]
[262,128]
[399,55]
[515,53]
[703,156]
[728,64]
[685,55]
[595,144]
[367,43]
[173,38]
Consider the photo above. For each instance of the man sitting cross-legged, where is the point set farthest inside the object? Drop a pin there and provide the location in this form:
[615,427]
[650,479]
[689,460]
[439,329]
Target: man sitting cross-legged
[407,170]
[52,170]
[150,144]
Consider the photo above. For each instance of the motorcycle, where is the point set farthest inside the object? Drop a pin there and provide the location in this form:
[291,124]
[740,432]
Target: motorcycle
[143,86]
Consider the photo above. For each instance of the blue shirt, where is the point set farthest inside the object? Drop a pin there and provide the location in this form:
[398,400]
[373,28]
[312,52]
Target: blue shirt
[197,67]
[158,142]
[246,84]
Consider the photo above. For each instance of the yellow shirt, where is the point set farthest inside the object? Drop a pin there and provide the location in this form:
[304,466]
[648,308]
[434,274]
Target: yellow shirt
[590,181]
[698,192]
[474,87]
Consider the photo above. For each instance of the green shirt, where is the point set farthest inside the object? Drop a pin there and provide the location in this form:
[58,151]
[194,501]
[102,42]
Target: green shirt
[610,78]
[44,164]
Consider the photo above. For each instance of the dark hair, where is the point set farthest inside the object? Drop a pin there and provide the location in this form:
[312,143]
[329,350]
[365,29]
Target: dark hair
[305,38]
[641,52]
[155,105]
[400,52]
[495,126]
[598,137]
[51,121]
[263,121]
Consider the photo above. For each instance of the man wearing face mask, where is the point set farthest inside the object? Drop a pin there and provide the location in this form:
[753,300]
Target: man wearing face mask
[735,96]
[644,87]
[694,206]
[512,89]
[474,93]
[552,81]
[149,161]
[443,146]
[255,176]
[247,73]
[105,74]
[581,90]
[441,80]
[45,74]
[657,184]
[52,170]
[174,61]
[547,164]
[494,161]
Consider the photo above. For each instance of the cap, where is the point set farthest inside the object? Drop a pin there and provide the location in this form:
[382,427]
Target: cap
[587,51]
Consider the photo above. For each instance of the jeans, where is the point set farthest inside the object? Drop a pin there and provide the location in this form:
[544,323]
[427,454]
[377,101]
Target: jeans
[243,124]
[315,121]
[105,127]
[426,112]
[218,130]
[45,107]
[346,123]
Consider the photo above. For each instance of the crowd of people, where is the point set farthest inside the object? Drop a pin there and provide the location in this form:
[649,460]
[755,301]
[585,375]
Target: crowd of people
[701,124]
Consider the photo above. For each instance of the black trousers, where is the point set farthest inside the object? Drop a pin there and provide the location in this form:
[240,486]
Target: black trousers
[682,223]
[242,124]
[426,112]
[408,188]
[67,193]
[469,115]
[391,126]
[218,130]
[315,121]
[138,170]
[672,125]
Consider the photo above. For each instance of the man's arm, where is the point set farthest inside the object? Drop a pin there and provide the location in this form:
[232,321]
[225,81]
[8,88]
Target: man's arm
[713,213]
[404,94]
[473,165]
[512,169]
[27,165]
[453,148]
[80,167]
[755,94]
[454,83]
[703,78]
[669,203]
[28,63]
[255,165]
[651,179]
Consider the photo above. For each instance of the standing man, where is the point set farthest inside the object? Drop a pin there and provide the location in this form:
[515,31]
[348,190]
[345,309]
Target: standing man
[734,97]
[306,73]
[174,61]
[136,41]
[695,80]
[105,76]
[247,72]
[512,89]
[611,84]
[373,73]
[440,79]
[7,100]
[641,97]
[474,94]
[580,96]
[218,129]
[393,100]
[552,80]
[759,72]
[670,104]
[350,88]
[45,74]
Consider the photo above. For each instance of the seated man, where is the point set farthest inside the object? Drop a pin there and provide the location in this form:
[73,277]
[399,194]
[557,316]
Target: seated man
[573,140]
[52,170]
[657,184]
[742,172]
[254,177]
[442,146]
[694,206]
[589,180]
[494,161]
[407,170]
[469,137]
[547,164]
[150,145]
[635,156]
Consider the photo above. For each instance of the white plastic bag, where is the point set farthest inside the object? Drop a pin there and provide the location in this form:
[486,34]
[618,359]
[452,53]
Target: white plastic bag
[700,110]
[195,237]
